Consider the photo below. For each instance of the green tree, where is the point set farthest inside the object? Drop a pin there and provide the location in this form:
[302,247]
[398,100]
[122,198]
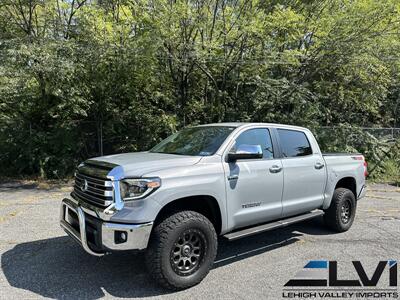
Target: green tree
[85,78]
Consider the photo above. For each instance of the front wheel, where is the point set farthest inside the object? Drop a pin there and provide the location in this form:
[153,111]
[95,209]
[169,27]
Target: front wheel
[340,214]
[181,250]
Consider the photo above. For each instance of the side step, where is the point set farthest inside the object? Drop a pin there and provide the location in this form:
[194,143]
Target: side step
[273,225]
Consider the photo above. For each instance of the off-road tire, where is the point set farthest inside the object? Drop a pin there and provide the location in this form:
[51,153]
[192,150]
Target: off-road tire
[162,244]
[334,216]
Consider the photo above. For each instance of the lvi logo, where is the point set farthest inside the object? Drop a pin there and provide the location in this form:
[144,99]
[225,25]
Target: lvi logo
[323,273]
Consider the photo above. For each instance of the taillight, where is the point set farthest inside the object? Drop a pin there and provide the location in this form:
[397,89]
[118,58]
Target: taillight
[361,157]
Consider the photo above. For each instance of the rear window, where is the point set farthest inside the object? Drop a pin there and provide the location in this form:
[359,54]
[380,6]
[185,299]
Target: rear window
[294,143]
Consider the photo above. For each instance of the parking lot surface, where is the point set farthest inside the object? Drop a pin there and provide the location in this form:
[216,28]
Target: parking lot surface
[38,259]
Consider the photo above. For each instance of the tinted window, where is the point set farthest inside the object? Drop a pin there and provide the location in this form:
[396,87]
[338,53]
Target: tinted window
[294,143]
[202,141]
[257,136]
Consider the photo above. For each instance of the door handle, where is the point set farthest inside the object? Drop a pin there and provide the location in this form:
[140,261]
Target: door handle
[275,169]
[233,177]
[319,165]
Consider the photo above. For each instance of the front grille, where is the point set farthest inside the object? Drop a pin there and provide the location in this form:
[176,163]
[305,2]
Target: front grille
[97,191]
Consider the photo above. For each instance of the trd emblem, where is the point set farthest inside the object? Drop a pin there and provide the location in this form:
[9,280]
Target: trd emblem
[84,186]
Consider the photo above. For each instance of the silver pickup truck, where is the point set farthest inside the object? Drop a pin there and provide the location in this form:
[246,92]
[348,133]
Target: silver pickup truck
[229,179]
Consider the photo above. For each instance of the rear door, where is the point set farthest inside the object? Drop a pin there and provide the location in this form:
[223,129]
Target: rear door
[254,186]
[303,172]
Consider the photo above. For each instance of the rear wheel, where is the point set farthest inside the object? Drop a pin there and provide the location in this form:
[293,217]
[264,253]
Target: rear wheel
[181,250]
[340,214]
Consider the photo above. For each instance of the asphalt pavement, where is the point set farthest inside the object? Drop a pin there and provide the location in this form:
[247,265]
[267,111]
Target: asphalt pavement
[38,259]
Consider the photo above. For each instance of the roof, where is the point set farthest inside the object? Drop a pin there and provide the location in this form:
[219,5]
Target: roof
[227,124]
[242,124]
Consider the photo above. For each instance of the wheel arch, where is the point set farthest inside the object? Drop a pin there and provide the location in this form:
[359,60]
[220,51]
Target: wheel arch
[348,183]
[206,205]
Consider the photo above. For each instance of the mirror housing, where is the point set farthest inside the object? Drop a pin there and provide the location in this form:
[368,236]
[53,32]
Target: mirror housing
[245,151]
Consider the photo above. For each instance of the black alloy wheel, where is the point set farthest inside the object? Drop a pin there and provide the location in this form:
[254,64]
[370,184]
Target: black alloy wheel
[345,211]
[188,252]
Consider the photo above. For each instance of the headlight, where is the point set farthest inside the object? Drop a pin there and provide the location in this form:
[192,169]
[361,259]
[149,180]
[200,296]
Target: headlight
[132,189]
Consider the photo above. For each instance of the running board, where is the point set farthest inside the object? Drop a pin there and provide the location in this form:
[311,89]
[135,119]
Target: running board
[273,225]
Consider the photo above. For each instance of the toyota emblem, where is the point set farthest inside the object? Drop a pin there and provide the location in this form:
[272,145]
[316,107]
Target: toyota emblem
[84,186]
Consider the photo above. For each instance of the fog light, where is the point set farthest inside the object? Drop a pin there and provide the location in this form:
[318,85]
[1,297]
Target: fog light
[120,237]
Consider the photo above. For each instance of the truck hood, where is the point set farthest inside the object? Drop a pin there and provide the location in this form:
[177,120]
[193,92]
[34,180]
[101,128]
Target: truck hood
[137,164]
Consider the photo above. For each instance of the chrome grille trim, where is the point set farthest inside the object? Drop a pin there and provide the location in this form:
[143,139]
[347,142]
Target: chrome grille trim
[95,181]
[91,199]
[94,190]
[92,186]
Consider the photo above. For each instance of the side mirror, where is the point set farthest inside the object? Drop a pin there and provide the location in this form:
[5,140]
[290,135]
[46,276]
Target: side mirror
[245,152]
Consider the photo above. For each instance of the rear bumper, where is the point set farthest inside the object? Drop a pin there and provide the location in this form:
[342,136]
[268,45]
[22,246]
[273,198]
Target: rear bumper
[98,237]
[362,192]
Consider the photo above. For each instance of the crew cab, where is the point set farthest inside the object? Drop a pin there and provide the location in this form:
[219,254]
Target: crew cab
[227,179]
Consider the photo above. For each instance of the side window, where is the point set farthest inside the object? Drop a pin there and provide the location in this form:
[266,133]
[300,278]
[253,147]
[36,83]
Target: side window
[257,136]
[294,143]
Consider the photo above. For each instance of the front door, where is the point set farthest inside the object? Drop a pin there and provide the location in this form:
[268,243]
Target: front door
[254,186]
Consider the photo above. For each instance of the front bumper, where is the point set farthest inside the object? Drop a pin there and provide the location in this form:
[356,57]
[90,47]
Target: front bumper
[98,237]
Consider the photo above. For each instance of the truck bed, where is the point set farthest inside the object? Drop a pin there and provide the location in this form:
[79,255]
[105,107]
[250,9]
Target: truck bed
[339,154]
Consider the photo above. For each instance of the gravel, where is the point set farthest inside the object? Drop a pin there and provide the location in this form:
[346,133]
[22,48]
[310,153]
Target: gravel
[39,260]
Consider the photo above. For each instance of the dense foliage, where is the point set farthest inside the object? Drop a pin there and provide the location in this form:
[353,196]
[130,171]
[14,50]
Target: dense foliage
[83,77]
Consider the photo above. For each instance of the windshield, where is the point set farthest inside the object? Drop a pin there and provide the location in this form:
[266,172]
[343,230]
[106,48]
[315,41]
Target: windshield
[196,141]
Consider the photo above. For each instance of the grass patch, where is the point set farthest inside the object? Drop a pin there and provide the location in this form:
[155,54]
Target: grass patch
[388,172]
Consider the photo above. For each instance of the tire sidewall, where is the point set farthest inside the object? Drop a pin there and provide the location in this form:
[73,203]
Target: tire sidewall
[207,260]
[347,196]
